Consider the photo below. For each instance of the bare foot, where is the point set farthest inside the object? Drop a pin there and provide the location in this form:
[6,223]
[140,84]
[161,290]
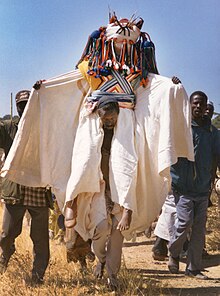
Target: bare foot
[71,214]
[83,264]
[76,248]
[125,221]
[90,256]
[113,283]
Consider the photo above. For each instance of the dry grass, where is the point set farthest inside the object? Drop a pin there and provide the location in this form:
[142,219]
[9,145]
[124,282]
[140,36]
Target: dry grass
[213,226]
[64,278]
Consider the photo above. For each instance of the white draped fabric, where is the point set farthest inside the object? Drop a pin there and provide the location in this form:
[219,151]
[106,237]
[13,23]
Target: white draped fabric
[59,145]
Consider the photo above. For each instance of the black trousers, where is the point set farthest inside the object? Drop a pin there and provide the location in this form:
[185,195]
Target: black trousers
[39,233]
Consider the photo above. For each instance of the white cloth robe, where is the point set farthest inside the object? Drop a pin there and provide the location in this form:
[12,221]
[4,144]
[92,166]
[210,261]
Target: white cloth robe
[58,146]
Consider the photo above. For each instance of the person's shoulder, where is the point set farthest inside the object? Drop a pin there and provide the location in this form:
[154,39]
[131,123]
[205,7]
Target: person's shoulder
[158,77]
[165,82]
[215,133]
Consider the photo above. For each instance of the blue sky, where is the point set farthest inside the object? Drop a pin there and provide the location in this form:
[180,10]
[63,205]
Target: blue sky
[44,38]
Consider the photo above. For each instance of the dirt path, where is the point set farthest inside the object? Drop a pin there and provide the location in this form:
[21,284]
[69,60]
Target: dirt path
[138,256]
[63,278]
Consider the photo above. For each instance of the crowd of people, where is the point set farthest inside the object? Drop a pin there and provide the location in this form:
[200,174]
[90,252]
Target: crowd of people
[183,215]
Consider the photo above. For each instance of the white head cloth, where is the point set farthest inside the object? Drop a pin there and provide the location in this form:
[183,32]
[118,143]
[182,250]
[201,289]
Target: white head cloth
[111,32]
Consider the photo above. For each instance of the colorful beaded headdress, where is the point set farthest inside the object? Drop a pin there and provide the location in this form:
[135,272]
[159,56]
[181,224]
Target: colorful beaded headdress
[120,46]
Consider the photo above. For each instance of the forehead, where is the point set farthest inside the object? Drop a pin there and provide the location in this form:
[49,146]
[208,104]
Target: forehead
[210,107]
[107,113]
[21,104]
[199,98]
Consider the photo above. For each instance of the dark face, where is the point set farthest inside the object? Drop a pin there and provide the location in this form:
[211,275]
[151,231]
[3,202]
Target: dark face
[209,111]
[108,118]
[20,107]
[198,105]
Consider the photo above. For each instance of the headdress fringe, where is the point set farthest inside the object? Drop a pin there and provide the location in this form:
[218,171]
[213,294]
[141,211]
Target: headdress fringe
[101,56]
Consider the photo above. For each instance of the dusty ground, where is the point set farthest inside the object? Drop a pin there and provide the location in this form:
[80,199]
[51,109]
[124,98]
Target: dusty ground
[140,274]
[138,256]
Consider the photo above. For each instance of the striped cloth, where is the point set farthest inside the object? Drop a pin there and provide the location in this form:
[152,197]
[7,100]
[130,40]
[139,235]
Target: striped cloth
[118,86]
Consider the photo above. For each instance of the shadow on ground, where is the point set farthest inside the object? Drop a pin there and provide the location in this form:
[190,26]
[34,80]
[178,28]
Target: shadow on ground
[208,291]
[135,244]
[208,261]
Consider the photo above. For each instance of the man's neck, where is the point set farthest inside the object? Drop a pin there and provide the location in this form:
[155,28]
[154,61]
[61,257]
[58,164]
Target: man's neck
[201,121]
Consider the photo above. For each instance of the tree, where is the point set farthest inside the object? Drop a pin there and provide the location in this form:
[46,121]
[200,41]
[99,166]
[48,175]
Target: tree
[216,121]
[6,117]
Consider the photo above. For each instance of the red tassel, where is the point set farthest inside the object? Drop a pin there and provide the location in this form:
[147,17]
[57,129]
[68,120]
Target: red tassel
[144,82]
[122,61]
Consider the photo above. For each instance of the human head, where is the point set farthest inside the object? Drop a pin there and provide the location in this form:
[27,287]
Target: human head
[210,109]
[198,100]
[21,99]
[108,110]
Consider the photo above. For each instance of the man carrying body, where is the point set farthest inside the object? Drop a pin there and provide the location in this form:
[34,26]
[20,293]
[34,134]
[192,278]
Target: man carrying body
[18,199]
[108,239]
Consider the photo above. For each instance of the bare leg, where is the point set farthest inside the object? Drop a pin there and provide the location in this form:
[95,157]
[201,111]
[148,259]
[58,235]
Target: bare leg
[71,214]
[113,256]
[76,248]
[125,221]
[99,242]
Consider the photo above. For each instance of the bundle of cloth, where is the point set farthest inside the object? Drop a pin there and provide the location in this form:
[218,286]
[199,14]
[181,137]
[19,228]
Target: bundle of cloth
[58,143]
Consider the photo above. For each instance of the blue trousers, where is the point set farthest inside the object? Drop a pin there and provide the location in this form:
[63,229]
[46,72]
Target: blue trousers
[191,215]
